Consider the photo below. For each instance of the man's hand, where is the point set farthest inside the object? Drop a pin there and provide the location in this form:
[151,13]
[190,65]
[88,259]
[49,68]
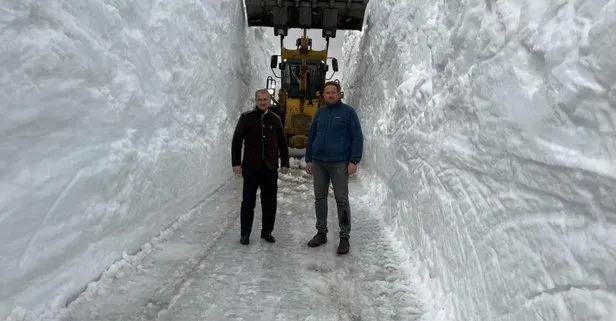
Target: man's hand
[309,168]
[237,169]
[284,170]
[352,168]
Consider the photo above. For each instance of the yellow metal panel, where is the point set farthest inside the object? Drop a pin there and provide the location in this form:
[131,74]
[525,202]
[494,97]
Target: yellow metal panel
[293,108]
[296,54]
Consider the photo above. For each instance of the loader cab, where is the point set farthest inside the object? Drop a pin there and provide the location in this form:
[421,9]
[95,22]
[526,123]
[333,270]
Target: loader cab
[290,77]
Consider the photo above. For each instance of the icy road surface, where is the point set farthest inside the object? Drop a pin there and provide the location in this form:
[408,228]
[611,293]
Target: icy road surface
[198,270]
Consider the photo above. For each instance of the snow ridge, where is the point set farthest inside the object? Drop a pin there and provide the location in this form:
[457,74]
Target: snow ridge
[117,118]
[490,131]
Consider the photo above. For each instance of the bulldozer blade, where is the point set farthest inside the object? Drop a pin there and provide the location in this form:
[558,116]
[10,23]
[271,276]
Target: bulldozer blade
[328,15]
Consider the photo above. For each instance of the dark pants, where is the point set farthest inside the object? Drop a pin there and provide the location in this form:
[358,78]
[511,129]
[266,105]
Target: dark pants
[338,173]
[267,181]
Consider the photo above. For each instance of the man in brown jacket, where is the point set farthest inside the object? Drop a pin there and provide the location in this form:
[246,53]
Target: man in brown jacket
[262,134]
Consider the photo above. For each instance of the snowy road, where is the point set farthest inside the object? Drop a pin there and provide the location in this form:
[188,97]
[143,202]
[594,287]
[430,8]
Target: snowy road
[199,271]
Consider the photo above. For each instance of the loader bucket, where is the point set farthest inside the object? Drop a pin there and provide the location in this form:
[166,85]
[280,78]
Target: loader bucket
[328,15]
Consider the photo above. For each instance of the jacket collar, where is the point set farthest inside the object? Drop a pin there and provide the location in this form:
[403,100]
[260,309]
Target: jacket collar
[334,105]
[266,111]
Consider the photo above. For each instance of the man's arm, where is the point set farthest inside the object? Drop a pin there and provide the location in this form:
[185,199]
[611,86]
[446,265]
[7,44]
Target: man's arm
[311,134]
[236,143]
[283,146]
[357,138]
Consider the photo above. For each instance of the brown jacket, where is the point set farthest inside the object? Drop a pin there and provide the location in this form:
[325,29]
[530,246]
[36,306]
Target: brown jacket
[263,137]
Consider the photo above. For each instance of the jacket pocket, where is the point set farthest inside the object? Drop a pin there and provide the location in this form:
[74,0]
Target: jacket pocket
[338,128]
[335,148]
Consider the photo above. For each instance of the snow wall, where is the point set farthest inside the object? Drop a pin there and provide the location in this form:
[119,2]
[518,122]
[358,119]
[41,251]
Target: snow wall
[490,127]
[116,119]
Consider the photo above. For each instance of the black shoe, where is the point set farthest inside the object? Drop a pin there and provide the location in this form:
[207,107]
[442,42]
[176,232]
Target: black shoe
[269,238]
[244,239]
[343,247]
[319,239]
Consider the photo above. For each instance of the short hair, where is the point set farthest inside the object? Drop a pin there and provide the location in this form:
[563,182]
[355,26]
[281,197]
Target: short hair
[262,91]
[333,83]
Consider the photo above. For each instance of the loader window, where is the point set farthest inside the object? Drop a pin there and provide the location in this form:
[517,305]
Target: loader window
[291,75]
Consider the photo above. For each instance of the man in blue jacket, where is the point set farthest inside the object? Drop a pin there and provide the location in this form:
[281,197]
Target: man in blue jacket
[335,147]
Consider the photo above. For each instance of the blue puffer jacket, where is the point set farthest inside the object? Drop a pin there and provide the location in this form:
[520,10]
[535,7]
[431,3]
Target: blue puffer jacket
[335,135]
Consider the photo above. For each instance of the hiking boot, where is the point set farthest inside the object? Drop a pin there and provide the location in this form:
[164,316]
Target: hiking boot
[244,239]
[268,237]
[343,247]
[320,238]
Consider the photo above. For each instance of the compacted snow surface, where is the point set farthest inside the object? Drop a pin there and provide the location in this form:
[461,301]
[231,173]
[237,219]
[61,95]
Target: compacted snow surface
[487,189]
[202,272]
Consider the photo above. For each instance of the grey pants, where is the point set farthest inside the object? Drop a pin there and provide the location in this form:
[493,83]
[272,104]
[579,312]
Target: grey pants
[337,172]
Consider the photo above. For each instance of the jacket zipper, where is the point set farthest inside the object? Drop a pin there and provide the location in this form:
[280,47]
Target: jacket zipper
[329,123]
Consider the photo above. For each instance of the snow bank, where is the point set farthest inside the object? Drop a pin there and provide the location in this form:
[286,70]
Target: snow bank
[490,127]
[117,118]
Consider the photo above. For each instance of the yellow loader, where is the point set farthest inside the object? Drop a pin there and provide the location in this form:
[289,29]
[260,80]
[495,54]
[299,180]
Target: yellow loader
[302,69]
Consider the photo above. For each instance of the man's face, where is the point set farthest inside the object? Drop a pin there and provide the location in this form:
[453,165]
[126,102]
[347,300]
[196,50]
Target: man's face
[331,94]
[263,101]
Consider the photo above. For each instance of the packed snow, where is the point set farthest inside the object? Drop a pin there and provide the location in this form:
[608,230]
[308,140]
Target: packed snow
[198,270]
[486,192]
[490,134]
[116,120]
